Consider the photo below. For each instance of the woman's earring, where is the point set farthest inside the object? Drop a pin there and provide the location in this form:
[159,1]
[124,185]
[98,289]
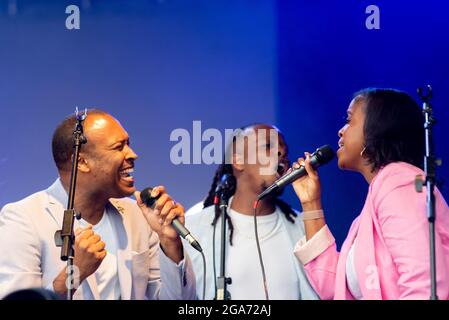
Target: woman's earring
[361,152]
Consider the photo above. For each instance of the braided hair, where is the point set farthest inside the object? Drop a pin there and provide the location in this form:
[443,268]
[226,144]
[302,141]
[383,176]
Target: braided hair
[226,168]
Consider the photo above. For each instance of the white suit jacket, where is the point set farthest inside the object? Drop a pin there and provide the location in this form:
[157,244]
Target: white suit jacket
[200,225]
[29,257]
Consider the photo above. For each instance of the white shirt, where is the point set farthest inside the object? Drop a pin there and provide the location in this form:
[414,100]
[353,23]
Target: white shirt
[242,261]
[351,275]
[107,273]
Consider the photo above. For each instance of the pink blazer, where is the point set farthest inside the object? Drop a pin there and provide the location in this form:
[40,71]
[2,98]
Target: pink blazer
[391,256]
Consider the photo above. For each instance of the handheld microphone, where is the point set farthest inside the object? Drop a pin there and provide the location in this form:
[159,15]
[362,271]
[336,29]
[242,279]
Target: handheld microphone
[150,202]
[321,156]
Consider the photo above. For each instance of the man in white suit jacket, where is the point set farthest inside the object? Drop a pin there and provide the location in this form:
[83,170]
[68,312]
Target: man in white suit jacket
[147,254]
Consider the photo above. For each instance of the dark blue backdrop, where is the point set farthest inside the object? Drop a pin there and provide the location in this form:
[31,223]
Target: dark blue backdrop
[158,65]
[155,65]
[326,54]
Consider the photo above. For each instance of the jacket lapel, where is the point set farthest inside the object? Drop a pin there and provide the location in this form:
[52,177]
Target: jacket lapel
[57,201]
[123,231]
[365,260]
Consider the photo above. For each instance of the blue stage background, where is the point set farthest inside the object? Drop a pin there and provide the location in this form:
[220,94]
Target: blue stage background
[326,54]
[159,65]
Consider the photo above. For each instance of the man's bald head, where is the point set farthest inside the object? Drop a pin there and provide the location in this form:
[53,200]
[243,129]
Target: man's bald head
[62,142]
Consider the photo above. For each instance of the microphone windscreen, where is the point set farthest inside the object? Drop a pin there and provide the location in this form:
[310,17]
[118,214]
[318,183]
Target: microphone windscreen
[145,196]
[324,154]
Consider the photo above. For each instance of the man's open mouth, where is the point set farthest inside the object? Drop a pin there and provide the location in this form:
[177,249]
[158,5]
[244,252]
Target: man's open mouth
[126,174]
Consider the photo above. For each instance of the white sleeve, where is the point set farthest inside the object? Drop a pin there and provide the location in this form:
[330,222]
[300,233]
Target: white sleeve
[168,280]
[20,257]
[178,279]
[307,251]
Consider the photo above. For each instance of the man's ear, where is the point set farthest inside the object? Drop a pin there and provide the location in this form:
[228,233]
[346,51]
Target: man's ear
[238,162]
[83,165]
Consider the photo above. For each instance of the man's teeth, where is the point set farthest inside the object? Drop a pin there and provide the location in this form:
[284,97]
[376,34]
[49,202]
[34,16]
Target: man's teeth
[127,172]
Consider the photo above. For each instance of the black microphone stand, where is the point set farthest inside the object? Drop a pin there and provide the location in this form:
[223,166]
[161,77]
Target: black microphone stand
[64,237]
[429,169]
[222,281]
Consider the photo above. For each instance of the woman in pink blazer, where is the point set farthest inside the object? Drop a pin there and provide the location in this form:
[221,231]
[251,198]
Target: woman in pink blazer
[386,253]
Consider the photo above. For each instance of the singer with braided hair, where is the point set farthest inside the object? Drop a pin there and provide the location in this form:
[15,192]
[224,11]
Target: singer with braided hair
[278,224]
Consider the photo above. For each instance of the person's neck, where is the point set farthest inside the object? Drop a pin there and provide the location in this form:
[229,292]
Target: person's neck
[90,205]
[243,202]
[368,173]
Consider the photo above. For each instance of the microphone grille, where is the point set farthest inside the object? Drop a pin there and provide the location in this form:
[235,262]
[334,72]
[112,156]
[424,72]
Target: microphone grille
[226,184]
[146,197]
[324,154]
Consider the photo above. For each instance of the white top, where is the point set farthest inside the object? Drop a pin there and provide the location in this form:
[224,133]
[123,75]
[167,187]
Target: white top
[107,273]
[242,261]
[197,207]
[351,276]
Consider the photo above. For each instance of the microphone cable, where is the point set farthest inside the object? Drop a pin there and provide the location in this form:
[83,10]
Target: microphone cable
[213,259]
[204,274]
[259,252]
